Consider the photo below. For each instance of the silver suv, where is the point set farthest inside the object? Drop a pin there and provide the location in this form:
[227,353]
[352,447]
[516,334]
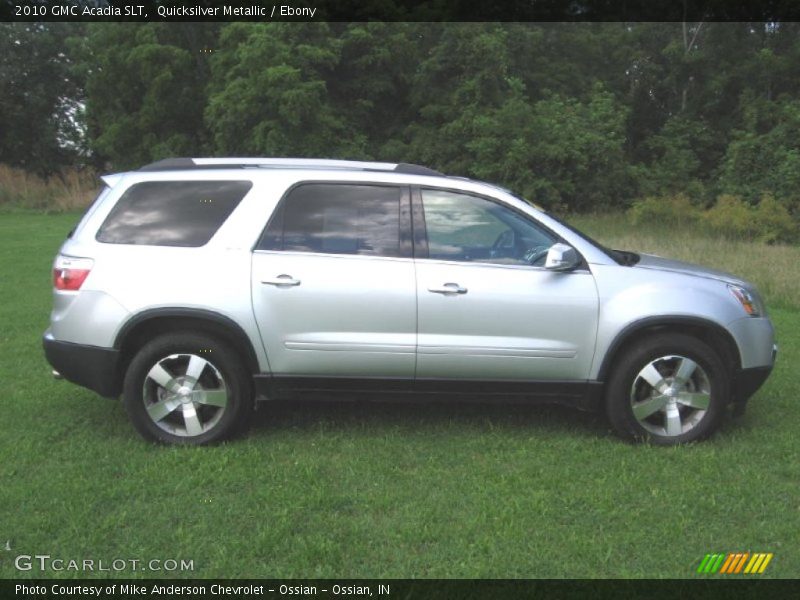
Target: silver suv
[193,287]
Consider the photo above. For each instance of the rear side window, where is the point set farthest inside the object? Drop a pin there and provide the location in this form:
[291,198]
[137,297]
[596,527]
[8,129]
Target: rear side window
[172,213]
[337,219]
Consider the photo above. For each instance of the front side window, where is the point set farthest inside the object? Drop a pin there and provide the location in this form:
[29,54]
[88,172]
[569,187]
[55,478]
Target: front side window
[466,228]
[172,213]
[337,219]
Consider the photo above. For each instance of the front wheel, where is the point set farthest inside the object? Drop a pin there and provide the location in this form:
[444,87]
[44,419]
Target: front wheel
[187,389]
[668,389]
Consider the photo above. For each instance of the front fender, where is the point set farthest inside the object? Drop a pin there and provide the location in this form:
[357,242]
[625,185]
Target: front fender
[631,299]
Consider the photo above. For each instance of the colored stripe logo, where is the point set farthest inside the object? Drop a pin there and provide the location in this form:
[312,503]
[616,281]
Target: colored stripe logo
[734,563]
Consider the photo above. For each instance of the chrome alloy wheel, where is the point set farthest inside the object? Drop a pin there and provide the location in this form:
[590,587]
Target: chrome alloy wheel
[185,395]
[670,395]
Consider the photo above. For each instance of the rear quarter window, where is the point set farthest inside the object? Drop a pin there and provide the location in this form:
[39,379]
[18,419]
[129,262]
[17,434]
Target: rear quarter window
[89,211]
[172,213]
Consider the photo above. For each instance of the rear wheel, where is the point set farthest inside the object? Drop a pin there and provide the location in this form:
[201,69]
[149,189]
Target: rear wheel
[668,389]
[187,389]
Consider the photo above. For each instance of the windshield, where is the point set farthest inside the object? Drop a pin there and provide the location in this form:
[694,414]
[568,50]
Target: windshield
[619,256]
[612,253]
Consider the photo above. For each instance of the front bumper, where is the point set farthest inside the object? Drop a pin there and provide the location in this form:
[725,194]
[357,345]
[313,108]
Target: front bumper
[747,382]
[89,366]
[755,339]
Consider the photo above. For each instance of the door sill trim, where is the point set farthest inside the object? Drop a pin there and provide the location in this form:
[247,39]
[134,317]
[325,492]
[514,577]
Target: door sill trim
[582,394]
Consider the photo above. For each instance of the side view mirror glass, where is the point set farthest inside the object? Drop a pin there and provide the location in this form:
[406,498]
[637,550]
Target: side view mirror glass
[561,257]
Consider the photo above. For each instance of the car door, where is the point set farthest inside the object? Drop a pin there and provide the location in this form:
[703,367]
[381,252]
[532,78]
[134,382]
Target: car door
[487,307]
[333,283]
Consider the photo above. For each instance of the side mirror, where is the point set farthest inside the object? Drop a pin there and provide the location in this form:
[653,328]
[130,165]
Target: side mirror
[561,257]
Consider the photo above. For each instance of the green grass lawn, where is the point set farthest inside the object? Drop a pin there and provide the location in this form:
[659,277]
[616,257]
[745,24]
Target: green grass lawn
[380,490]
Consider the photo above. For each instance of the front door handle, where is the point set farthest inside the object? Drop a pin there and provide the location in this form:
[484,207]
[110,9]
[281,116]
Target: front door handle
[448,288]
[282,281]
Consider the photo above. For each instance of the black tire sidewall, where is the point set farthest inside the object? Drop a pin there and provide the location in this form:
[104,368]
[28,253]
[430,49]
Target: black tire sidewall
[220,355]
[634,358]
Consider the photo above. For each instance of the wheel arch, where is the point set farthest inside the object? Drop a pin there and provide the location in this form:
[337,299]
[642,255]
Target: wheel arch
[158,321]
[707,331]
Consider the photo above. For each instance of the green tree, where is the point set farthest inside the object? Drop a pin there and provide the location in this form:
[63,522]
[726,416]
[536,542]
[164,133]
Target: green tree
[559,152]
[40,126]
[580,115]
[269,93]
[464,76]
[676,158]
[477,118]
[764,155]
[146,90]
[371,83]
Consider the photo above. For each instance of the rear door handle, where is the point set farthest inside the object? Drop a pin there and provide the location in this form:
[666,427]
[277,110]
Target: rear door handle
[282,281]
[448,288]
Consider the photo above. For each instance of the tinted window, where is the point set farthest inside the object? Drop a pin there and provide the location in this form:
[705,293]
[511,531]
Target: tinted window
[468,228]
[172,213]
[337,219]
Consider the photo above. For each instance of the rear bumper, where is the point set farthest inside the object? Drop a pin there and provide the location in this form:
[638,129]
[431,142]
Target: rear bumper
[89,366]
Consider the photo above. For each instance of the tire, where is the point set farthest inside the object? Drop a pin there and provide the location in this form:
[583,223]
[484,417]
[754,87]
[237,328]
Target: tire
[187,388]
[667,389]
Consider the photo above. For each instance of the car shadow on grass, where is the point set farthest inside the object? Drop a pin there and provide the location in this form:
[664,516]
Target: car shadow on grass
[417,415]
[384,416]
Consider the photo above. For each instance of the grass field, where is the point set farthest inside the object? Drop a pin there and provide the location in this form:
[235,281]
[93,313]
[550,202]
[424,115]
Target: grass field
[391,490]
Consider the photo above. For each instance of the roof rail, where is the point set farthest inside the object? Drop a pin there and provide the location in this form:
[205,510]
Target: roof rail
[416,170]
[303,163]
[169,164]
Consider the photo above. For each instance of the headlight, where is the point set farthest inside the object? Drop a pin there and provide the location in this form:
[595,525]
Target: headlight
[749,302]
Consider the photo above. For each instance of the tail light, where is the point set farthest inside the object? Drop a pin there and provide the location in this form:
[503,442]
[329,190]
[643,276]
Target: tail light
[69,272]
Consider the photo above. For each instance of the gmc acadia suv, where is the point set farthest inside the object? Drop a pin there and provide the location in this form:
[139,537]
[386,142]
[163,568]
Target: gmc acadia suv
[193,287]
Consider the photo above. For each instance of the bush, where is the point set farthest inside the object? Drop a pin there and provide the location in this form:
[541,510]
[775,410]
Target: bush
[769,221]
[732,217]
[676,209]
[775,223]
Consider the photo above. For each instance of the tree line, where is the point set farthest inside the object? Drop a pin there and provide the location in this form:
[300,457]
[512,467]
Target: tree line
[574,116]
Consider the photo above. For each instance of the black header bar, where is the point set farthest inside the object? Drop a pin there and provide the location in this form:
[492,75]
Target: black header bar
[399,10]
[707,588]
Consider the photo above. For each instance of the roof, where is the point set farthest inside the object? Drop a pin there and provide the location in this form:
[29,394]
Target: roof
[174,164]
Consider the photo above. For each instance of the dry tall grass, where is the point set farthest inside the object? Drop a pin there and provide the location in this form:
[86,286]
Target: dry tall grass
[68,190]
[774,268]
